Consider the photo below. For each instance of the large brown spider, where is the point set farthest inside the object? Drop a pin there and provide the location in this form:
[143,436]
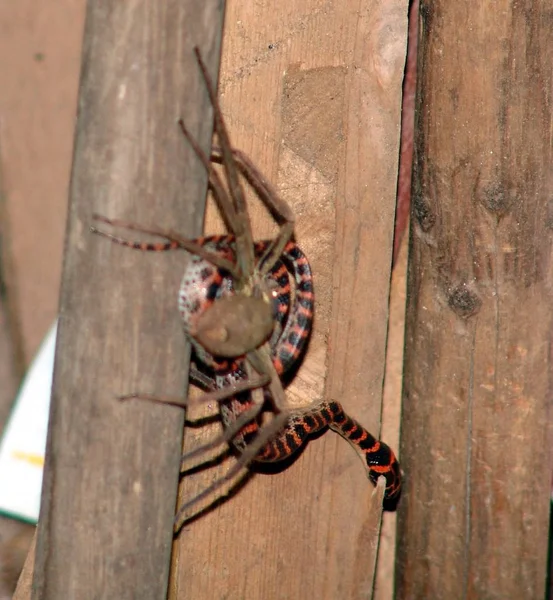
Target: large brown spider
[238,323]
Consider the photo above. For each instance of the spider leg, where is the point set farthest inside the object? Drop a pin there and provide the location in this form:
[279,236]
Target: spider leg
[262,362]
[245,458]
[275,248]
[258,182]
[231,429]
[221,197]
[200,379]
[175,241]
[226,436]
[243,232]
[269,196]
[136,245]
[217,395]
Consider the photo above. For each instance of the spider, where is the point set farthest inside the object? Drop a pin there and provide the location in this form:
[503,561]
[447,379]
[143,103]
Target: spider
[245,328]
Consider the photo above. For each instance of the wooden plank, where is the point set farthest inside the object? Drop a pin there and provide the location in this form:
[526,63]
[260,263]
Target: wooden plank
[476,423]
[311,92]
[111,470]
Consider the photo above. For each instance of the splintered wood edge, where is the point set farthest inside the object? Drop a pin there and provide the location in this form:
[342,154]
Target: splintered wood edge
[24,585]
[369,538]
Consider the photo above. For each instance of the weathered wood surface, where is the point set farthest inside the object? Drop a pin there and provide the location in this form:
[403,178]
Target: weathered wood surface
[111,470]
[476,420]
[311,91]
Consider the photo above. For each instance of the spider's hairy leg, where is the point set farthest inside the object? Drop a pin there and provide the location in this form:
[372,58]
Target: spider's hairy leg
[215,395]
[243,231]
[269,196]
[245,458]
[221,197]
[226,436]
[232,428]
[261,361]
[174,242]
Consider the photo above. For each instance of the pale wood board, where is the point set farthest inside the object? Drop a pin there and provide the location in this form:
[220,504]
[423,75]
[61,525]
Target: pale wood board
[311,91]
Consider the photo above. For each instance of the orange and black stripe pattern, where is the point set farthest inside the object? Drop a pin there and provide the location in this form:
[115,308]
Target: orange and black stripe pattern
[298,326]
[378,458]
[203,284]
[293,325]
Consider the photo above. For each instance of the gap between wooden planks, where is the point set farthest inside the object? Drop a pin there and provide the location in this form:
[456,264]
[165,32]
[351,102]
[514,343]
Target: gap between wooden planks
[311,92]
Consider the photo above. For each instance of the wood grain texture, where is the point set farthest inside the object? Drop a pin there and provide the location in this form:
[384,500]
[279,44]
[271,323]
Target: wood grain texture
[37,108]
[476,428]
[112,469]
[311,91]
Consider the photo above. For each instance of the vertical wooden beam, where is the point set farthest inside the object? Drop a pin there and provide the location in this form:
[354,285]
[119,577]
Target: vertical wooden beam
[312,92]
[112,468]
[476,422]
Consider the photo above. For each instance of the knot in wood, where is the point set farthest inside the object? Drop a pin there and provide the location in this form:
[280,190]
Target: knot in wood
[463,301]
[423,213]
